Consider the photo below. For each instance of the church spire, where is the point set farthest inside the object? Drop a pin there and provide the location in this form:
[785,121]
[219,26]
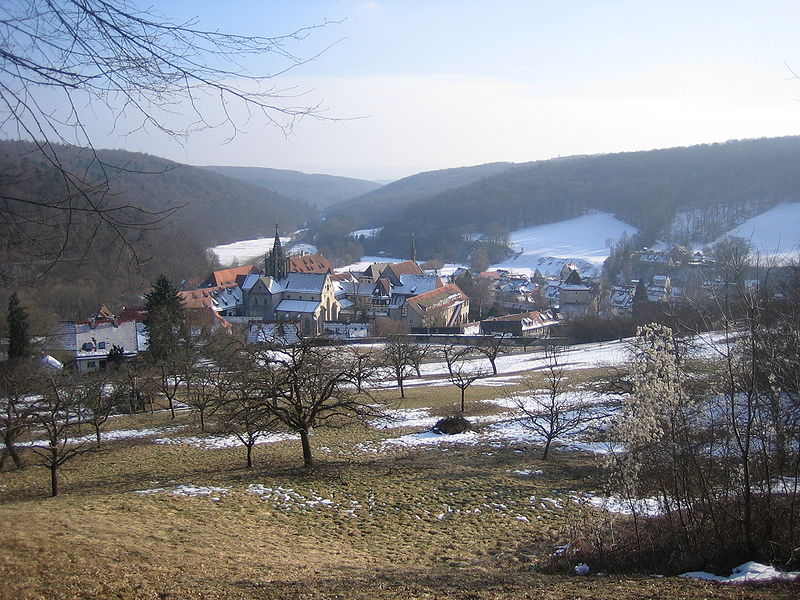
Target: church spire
[276,264]
[413,247]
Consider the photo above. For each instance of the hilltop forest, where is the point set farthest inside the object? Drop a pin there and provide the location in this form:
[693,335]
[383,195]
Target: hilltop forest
[693,193]
[175,213]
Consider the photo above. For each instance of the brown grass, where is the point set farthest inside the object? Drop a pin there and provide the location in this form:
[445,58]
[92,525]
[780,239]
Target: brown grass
[429,523]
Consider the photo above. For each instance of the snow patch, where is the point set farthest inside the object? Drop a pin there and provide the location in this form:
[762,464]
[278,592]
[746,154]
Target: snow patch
[748,572]
[229,441]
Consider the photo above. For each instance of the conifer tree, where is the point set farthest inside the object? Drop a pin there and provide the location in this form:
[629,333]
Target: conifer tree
[166,318]
[19,343]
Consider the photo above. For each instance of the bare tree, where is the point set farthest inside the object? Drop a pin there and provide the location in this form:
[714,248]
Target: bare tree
[464,372]
[396,357]
[95,400]
[491,347]
[554,413]
[63,60]
[57,413]
[366,367]
[19,385]
[314,387]
[242,400]
[417,353]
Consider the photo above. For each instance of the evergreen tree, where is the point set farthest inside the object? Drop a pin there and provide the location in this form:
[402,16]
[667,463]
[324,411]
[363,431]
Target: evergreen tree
[640,297]
[19,342]
[166,318]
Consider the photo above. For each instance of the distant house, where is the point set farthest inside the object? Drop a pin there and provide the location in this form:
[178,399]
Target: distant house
[446,306]
[224,300]
[227,277]
[89,342]
[528,324]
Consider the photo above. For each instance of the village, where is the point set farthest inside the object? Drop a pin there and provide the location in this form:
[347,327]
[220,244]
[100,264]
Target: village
[301,295]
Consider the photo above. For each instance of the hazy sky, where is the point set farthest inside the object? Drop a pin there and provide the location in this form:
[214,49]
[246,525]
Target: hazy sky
[444,84]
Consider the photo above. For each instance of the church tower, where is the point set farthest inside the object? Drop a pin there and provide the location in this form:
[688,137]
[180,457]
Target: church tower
[276,263]
[413,247]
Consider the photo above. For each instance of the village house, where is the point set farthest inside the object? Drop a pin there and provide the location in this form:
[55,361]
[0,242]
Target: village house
[90,342]
[446,306]
[528,324]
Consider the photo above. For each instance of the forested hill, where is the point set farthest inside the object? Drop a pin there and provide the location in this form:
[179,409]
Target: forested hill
[318,190]
[684,193]
[381,205]
[99,264]
[218,209]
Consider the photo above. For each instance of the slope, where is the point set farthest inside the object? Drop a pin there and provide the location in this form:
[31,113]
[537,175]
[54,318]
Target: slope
[319,190]
[694,193]
[384,204]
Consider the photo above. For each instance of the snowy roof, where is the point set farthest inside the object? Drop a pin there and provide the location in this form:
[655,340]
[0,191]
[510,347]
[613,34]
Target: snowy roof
[95,339]
[272,332]
[304,282]
[297,306]
[415,284]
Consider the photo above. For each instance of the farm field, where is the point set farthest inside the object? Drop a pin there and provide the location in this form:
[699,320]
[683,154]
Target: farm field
[391,510]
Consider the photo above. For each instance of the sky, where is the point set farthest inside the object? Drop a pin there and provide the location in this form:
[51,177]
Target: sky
[410,86]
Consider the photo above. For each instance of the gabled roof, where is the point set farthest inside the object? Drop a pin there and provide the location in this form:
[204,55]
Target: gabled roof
[310,263]
[225,277]
[216,298]
[383,287]
[414,285]
[407,267]
[304,282]
[104,313]
[437,299]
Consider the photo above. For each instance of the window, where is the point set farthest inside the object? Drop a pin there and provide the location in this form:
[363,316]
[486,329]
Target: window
[91,365]
[102,345]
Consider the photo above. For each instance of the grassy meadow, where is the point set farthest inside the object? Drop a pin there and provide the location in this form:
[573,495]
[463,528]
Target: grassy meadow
[371,520]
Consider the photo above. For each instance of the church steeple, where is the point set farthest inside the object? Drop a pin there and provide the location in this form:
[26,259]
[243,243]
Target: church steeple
[413,247]
[276,263]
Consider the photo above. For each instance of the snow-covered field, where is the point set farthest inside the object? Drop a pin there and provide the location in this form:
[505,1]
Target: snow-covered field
[774,233]
[583,241]
[244,251]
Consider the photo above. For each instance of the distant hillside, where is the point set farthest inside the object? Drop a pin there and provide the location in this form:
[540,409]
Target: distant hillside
[320,191]
[692,193]
[381,205]
[95,265]
[218,208]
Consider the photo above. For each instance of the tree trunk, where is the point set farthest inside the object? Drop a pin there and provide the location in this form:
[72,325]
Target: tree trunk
[12,451]
[308,460]
[171,406]
[494,365]
[546,448]
[249,455]
[463,390]
[53,479]
[400,383]
[97,434]
[202,420]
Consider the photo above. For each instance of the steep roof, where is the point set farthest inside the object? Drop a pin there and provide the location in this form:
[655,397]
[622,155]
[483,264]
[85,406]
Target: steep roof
[228,276]
[407,267]
[310,263]
[438,298]
[216,298]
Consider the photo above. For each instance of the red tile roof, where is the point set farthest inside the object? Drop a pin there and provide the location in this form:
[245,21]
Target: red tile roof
[439,298]
[310,263]
[407,267]
[227,277]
